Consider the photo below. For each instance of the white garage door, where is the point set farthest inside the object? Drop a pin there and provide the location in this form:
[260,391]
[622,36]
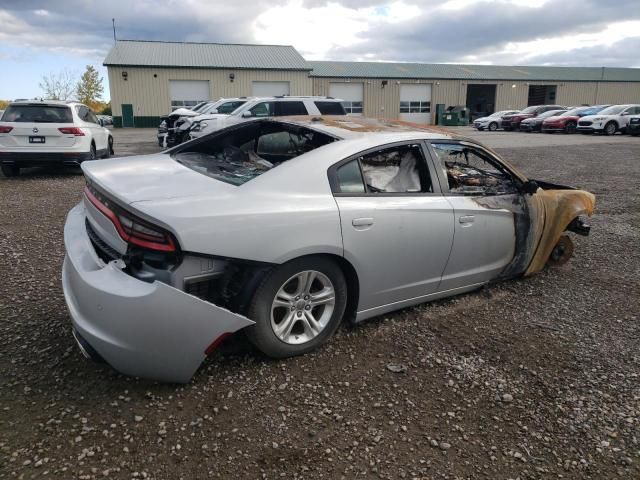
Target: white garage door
[415,103]
[351,93]
[187,93]
[270,89]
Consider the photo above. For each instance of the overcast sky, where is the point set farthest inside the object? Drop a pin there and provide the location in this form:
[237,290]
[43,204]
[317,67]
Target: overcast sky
[39,36]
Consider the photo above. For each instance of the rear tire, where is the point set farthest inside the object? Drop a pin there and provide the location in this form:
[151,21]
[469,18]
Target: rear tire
[281,301]
[10,170]
[92,152]
[493,126]
[110,150]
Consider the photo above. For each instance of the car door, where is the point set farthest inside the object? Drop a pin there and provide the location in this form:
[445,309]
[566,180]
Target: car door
[397,228]
[623,118]
[477,189]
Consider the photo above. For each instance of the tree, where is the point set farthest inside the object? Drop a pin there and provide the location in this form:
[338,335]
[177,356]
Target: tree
[5,103]
[58,86]
[89,88]
[106,110]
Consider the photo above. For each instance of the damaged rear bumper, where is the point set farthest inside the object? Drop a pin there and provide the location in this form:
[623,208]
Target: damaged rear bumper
[149,330]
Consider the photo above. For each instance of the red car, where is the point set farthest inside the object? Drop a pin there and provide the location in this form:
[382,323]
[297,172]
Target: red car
[568,121]
[512,122]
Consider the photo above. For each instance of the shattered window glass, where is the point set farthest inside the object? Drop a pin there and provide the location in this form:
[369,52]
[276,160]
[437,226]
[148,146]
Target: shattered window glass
[395,170]
[472,172]
[248,151]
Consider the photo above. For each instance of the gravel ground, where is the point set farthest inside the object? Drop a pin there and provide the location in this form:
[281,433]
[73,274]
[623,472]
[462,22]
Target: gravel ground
[534,378]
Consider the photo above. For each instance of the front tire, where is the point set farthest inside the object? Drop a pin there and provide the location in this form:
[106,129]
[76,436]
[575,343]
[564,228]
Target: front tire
[610,128]
[10,170]
[298,307]
[570,127]
[493,126]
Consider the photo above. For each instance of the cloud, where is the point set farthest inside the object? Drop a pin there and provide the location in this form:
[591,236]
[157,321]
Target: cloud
[467,31]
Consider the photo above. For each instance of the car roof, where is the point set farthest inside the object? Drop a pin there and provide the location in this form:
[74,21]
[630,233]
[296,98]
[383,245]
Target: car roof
[347,127]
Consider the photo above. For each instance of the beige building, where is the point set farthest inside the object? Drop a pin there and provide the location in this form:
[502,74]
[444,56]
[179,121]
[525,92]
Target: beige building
[149,79]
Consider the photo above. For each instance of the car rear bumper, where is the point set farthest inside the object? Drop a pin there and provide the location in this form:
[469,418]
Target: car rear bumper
[37,159]
[149,330]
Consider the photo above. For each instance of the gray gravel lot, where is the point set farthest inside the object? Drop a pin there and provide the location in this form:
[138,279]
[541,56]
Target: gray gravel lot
[531,379]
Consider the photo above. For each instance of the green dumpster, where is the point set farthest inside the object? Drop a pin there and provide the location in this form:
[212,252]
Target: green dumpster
[455,116]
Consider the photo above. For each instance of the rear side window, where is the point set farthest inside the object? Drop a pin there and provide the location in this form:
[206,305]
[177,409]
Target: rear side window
[290,108]
[350,178]
[38,114]
[400,169]
[330,108]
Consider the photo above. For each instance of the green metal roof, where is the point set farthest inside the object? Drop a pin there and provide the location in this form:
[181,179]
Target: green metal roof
[204,55]
[470,72]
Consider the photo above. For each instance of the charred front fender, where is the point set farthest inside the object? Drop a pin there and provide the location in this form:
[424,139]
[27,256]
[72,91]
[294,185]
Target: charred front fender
[552,212]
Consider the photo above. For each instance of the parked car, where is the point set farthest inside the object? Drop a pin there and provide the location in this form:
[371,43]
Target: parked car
[167,121]
[105,120]
[493,121]
[285,227]
[174,128]
[512,122]
[38,133]
[608,121]
[633,127]
[568,121]
[269,107]
[534,124]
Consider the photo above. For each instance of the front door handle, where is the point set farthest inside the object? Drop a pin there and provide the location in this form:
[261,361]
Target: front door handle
[466,219]
[362,222]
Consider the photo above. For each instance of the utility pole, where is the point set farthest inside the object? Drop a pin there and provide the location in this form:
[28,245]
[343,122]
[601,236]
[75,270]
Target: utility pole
[113,22]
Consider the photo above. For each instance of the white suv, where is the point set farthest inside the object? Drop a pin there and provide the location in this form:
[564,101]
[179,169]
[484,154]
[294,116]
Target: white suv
[268,107]
[608,121]
[38,133]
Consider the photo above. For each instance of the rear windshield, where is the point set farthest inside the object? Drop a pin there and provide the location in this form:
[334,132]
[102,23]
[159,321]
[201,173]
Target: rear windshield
[330,108]
[38,114]
[245,152]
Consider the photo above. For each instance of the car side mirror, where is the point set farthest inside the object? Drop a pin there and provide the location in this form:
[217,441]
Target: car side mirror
[624,114]
[247,114]
[214,110]
[530,187]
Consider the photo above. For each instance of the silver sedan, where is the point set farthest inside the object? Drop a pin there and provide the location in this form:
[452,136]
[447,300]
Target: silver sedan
[285,228]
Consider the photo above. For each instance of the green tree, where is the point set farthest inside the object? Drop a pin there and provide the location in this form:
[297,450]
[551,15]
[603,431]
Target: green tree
[89,89]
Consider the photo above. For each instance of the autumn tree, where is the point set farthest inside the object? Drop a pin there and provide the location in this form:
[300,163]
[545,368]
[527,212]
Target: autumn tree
[89,89]
[59,86]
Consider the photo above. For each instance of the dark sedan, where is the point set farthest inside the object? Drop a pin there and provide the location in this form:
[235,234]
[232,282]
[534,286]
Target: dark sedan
[535,124]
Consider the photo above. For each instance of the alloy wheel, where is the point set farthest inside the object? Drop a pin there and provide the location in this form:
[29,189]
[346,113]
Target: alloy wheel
[302,307]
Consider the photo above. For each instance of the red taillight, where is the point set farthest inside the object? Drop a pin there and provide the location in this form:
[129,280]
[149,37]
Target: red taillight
[132,229]
[72,131]
[215,344]
[5,129]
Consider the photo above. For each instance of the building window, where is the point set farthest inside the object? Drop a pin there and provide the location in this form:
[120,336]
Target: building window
[352,107]
[415,107]
[175,104]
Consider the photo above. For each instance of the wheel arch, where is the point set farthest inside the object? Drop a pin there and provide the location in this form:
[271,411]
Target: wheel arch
[253,275]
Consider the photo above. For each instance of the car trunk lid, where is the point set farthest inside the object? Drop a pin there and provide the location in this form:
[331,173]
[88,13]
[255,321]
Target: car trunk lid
[151,177]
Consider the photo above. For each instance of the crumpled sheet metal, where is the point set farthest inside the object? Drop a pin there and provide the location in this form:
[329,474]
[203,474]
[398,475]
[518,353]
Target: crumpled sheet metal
[556,209]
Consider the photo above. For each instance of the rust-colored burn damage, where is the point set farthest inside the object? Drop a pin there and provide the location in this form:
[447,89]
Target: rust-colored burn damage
[556,208]
[540,221]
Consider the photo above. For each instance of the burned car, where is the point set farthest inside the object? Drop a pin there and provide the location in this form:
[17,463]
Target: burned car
[286,227]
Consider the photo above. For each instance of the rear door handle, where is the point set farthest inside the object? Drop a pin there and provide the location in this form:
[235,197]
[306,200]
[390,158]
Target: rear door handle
[466,219]
[362,222]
